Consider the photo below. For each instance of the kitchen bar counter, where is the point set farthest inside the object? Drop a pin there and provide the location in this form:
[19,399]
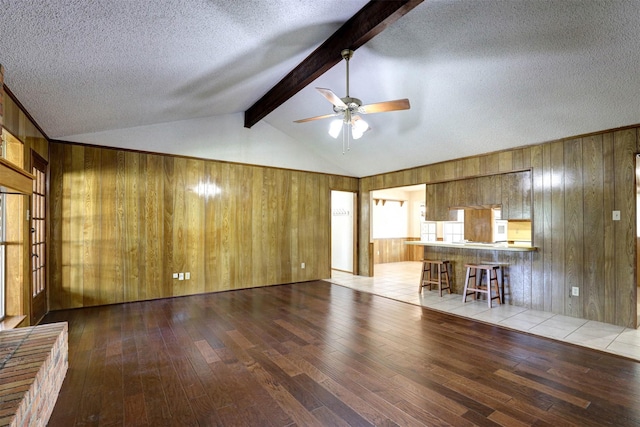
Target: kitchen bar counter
[473,245]
[516,262]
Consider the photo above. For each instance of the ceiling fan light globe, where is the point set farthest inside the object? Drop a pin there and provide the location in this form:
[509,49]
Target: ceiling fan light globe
[335,127]
[358,128]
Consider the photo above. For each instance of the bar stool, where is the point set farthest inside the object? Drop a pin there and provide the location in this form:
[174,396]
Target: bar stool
[476,272]
[503,266]
[437,268]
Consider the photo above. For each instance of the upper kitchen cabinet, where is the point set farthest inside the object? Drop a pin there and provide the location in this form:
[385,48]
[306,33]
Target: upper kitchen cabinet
[516,195]
[511,191]
[437,202]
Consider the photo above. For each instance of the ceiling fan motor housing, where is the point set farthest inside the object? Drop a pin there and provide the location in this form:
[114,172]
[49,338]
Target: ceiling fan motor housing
[352,105]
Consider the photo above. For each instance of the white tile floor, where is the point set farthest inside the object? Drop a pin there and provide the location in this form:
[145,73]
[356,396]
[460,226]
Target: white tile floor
[399,281]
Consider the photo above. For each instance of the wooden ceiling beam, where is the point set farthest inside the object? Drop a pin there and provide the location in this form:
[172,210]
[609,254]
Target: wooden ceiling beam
[368,22]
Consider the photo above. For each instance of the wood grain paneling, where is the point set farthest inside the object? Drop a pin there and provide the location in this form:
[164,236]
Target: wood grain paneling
[510,190]
[625,146]
[569,192]
[264,222]
[395,250]
[574,222]
[478,225]
[594,219]
[545,213]
[537,228]
[125,222]
[609,266]
[558,228]
[93,270]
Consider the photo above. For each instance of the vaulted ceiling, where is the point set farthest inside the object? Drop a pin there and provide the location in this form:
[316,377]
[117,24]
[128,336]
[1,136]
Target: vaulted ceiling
[176,77]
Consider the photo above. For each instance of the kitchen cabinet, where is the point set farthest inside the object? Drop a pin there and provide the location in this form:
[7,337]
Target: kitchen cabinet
[511,191]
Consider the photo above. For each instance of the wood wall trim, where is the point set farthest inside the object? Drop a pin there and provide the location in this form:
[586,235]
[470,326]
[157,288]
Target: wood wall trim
[15,178]
[24,111]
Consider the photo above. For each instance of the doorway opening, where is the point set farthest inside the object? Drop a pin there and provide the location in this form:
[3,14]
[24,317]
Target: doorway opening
[343,231]
[397,216]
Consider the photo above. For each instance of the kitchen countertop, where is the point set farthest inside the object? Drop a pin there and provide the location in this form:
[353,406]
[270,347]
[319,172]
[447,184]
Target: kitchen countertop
[476,245]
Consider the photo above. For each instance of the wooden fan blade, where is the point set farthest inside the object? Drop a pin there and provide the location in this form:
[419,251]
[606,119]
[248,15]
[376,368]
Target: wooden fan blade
[381,107]
[331,97]
[326,116]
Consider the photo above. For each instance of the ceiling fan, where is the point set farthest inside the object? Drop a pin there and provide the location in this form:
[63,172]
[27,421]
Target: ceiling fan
[349,109]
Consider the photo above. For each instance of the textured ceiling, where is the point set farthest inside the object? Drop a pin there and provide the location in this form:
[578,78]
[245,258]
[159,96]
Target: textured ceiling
[175,77]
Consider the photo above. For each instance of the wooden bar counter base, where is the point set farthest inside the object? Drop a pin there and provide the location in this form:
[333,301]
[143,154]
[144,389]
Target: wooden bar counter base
[516,262]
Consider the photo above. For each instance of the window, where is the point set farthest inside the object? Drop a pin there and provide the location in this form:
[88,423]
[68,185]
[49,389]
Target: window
[453,231]
[428,231]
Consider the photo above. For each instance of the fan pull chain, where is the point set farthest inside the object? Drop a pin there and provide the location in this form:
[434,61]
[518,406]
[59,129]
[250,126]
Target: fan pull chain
[344,135]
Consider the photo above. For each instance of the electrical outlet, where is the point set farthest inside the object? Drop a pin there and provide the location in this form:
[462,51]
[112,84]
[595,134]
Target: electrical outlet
[175,275]
[302,266]
[575,291]
[180,276]
[187,276]
[616,215]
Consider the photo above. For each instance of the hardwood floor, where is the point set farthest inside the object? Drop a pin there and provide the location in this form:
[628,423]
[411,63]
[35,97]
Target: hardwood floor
[320,354]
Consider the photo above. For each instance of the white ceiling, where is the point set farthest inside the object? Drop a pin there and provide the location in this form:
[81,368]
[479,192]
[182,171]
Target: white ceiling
[175,76]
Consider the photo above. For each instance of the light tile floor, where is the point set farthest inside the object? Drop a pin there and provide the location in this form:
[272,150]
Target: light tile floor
[399,281]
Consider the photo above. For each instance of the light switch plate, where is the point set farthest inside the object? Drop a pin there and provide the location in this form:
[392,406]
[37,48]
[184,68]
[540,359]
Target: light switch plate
[616,215]
[180,276]
[187,276]
[175,275]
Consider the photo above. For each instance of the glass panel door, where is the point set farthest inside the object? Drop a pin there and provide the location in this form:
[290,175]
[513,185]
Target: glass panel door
[38,240]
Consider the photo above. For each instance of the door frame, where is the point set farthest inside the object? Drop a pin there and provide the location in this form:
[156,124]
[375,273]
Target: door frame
[354,248]
[40,302]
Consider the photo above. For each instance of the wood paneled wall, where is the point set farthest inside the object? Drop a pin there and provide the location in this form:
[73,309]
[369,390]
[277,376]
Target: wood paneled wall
[576,184]
[123,222]
[395,250]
